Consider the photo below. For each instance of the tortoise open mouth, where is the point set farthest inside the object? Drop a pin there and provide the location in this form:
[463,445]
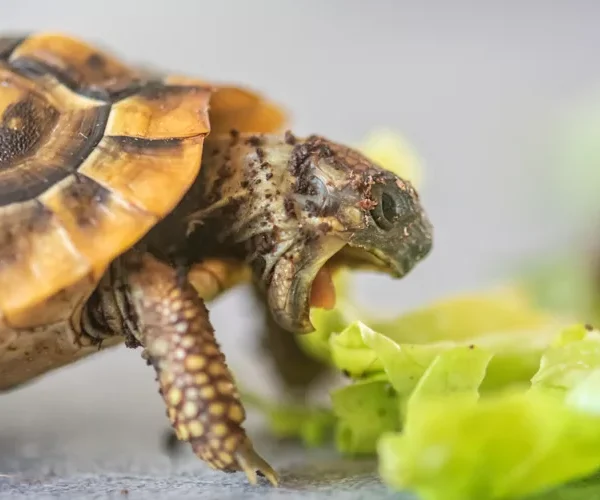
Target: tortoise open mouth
[323,293]
[303,278]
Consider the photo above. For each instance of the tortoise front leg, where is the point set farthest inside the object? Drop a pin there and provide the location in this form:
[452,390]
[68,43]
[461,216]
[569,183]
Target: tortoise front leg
[203,403]
[296,370]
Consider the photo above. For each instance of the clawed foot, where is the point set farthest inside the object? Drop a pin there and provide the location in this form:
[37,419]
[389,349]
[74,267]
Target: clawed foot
[253,464]
[248,461]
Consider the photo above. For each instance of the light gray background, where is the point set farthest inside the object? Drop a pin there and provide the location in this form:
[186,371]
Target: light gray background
[477,87]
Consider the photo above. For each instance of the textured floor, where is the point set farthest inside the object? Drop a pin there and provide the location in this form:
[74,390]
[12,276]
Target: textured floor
[66,436]
[63,467]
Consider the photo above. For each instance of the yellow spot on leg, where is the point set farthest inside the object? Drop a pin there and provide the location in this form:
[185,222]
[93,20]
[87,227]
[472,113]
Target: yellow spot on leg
[196,428]
[182,432]
[230,443]
[189,314]
[195,362]
[192,393]
[208,392]
[236,413]
[174,396]
[211,350]
[217,409]
[219,430]
[187,342]
[225,457]
[160,347]
[225,387]
[217,368]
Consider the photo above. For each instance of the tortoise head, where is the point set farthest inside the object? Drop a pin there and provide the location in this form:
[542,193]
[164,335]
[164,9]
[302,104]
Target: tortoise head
[341,210]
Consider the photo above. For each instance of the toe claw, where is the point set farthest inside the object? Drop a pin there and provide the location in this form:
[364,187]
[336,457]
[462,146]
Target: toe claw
[251,463]
[248,470]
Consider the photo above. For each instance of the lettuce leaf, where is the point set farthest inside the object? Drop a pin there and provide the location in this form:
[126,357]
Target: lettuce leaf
[458,373]
[456,444]
[573,356]
[501,321]
[365,410]
[505,445]
[314,426]
[483,396]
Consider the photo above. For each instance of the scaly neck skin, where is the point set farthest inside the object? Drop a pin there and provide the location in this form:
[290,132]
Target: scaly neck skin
[239,206]
[244,167]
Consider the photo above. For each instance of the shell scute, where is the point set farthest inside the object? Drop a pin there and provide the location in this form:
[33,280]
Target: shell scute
[86,143]
[75,63]
[37,259]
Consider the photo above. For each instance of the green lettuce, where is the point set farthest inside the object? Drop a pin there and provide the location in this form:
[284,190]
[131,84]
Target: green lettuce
[502,321]
[312,425]
[459,444]
[506,445]
[364,410]
[479,396]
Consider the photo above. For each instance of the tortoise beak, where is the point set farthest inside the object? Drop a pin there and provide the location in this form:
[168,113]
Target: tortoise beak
[291,284]
[289,292]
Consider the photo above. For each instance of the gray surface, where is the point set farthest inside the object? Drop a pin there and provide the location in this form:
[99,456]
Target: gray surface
[478,87]
[122,466]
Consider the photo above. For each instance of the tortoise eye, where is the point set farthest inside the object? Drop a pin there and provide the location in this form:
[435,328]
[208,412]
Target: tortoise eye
[391,207]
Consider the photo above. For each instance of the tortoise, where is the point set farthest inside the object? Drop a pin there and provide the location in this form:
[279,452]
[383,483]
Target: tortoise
[131,198]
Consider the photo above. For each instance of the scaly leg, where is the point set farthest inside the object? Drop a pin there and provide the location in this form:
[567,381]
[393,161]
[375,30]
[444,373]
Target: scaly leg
[296,371]
[210,278]
[202,400]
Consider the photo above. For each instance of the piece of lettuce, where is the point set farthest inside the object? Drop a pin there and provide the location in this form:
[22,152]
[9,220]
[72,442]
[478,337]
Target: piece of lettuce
[570,369]
[456,444]
[313,425]
[467,390]
[502,321]
[495,400]
[364,410]
[505,445]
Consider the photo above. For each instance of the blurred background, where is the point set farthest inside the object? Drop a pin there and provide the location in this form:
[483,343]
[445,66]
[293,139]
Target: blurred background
[499,99]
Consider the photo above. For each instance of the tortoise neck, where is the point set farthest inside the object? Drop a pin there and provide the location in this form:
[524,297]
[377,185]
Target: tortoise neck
[240,192]
[242,169]
[237,202]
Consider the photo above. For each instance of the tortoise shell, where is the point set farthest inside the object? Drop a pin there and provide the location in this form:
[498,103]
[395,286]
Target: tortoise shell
[93,153]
